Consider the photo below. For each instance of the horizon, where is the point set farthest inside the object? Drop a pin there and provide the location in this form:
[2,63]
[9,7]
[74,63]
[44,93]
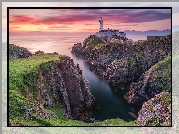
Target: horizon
[82,34]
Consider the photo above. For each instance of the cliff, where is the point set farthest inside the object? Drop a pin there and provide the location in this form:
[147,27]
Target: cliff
[47,86]
[122,62]
[157,79]
[147,65]
[65,81]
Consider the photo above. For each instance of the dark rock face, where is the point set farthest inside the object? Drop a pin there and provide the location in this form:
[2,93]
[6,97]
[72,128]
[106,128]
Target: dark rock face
[143,90]
[18,52]
[156,111]
[55,53]
[39,52]
[68,87]
[123,62]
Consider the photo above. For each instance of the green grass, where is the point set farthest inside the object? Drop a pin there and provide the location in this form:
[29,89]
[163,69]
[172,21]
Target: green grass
[162,72]
[115,44]
[94,42]
[23,72]
[97,46]
[23,75]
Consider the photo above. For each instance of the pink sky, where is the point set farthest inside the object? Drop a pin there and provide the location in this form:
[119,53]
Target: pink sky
[66,20]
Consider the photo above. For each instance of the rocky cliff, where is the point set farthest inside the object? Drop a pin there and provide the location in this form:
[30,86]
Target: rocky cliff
[46,81]
[157,79]
[18,52]
[122,62]
[69,88]
[146,64]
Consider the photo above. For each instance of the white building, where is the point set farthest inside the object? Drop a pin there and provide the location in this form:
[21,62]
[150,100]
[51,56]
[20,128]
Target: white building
[108,32]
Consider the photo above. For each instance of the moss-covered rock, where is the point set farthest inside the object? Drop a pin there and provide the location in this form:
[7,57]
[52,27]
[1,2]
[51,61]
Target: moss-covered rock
[157,79]
[156,111]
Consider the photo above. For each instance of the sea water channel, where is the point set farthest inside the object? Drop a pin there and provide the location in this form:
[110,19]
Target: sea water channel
[109,99]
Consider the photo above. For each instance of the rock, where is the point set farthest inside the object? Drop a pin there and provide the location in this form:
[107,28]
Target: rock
[18,52]
[55,53]
[32,110]
[39,52]
[157,79]
[67,84]
[156,111]
[122,62]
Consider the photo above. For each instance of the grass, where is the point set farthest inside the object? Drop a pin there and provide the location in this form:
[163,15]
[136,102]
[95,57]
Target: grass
[94,42]
[115,44]
[162,72]
[23,75]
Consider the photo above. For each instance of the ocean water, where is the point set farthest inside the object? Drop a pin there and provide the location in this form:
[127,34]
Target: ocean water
[109,101]
[50,44]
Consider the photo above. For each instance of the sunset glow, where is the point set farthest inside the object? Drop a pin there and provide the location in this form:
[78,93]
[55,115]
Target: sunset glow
[86,20]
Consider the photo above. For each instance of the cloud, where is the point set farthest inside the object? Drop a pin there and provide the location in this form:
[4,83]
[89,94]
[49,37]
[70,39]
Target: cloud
[14,27]
[90,24]
[89,16]
[21,19]
[58,28]
[90,29]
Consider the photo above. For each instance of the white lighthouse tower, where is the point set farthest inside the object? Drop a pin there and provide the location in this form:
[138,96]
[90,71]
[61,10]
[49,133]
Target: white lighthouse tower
[108,32]
[100,24]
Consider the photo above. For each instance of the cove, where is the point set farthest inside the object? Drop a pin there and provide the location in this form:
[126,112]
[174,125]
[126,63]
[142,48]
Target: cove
[109,99]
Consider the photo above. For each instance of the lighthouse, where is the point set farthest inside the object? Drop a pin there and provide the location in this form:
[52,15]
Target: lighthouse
[108,32]
[100,24]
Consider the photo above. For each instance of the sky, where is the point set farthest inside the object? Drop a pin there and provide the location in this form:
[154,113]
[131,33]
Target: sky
[86,20]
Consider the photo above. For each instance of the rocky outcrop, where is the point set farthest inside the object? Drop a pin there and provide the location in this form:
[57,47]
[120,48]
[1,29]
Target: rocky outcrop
[34,110]
[157,79]
[39,52]
[156,111]
[18,52]
[122,62]
[68,87]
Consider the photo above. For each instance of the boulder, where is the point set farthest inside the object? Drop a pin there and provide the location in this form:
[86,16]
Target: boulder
[18,52]
[156,111]
[39,52]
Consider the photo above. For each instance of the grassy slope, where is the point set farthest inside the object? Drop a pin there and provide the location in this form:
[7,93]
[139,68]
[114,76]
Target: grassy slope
[162,70]
[23,74]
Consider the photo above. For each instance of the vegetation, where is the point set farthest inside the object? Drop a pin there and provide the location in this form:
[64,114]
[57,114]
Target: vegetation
[165,98]
[162,73]
[131,62]
[23,75]
[93,42]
